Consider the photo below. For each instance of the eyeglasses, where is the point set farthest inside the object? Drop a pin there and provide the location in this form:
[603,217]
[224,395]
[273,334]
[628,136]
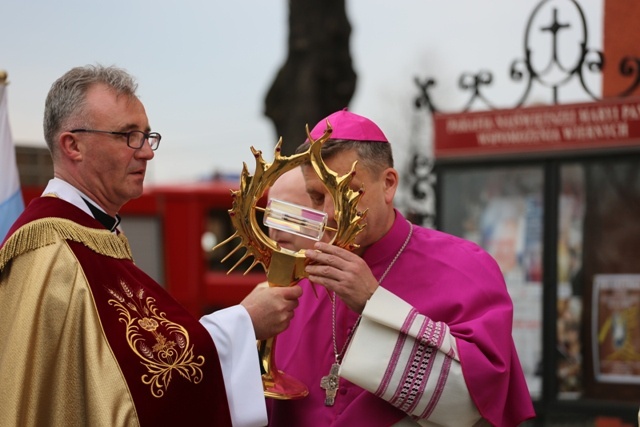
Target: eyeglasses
[135,138]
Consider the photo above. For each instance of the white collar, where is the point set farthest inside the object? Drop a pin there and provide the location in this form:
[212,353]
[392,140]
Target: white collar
[67,192]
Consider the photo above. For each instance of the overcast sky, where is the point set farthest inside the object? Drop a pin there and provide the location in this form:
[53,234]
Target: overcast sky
[204,67]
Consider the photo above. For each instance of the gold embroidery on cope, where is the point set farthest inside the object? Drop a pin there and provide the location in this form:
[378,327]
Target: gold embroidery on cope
[163,345]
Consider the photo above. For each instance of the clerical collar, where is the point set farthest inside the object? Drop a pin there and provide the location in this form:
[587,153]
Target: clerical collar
[109,222]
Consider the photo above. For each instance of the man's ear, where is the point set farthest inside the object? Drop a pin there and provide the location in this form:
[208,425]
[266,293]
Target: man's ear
[391,181]
[69,146]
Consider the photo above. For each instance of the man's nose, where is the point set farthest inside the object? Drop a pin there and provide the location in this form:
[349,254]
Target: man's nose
[145,152]
[329,209]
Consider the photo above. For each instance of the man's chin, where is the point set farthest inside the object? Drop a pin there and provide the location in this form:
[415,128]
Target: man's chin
[136,191]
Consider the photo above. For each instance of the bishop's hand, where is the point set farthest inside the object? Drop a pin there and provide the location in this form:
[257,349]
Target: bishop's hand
[342,272]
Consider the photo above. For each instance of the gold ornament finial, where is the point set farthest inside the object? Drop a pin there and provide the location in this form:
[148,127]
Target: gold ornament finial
[284,267]
[3,77]
[252,188]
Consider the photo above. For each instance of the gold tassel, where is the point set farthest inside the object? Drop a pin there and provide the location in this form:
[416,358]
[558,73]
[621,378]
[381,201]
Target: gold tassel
[47,231]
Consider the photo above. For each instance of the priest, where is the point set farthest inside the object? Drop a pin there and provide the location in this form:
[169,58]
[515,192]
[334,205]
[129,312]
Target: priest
[87,338]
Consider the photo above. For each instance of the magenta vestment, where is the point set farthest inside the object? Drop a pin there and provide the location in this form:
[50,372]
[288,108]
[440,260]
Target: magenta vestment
[445,278]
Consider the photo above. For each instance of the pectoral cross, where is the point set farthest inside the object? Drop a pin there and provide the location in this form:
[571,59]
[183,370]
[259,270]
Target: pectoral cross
[330,384]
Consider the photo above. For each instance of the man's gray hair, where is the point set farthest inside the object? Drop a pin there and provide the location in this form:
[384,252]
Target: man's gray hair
[66,101]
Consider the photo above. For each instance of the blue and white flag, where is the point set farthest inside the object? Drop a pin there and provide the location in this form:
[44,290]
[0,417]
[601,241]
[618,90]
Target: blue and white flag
[11,204]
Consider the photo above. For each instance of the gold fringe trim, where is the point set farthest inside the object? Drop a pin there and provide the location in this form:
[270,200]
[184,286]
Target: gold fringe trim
[47,231]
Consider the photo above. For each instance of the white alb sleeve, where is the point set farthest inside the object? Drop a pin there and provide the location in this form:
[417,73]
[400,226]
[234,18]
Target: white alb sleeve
[234,337]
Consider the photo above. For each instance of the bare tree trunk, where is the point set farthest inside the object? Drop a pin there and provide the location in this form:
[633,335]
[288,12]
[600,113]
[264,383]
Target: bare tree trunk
[317,78]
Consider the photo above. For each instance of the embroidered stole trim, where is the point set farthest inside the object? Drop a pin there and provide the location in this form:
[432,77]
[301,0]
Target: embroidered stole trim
[46,231]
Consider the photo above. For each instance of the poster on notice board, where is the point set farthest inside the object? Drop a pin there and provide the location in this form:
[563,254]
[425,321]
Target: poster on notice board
[616,328]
